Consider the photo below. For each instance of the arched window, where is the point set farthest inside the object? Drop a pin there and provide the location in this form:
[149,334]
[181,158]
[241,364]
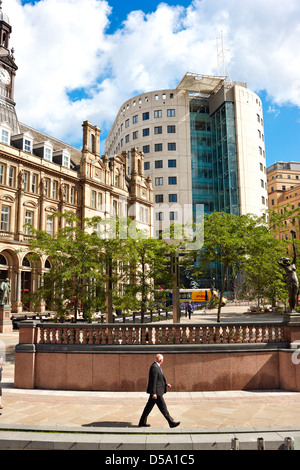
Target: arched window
[26,262]
[47,264]
[3,260]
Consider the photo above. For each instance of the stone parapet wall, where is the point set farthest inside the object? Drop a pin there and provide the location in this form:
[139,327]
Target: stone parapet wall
[117,358]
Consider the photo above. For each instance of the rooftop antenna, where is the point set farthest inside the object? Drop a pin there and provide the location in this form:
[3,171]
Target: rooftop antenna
[221,56]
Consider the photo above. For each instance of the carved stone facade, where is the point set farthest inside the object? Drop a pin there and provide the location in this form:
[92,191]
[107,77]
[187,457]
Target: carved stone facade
[40,175]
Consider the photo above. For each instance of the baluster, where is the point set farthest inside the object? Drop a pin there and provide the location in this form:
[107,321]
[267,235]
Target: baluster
[210,335]
[59,336]
[103,335]
[177,334]
[259,334]
[110,335]
[143,335]
[48,335]
[239,334]
[184,336]
[232,332]
[42,331]
[150,333]
[124,335]
[130,331]
[157,341]
[197,335]
[97,336]
[218,338]
[251,335]
[276,334]
[245,334]
[163,335]
[91,335]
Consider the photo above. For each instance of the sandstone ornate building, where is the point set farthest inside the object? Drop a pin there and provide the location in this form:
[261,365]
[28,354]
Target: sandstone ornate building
[284,193]
[40,175]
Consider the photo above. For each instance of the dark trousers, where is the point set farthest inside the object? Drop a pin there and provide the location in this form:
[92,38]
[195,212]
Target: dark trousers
[160,402]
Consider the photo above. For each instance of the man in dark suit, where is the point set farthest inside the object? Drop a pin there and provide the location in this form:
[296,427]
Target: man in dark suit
[157,387]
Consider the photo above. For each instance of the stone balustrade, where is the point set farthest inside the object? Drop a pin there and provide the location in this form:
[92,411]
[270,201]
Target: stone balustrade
[162,334]
[200,357]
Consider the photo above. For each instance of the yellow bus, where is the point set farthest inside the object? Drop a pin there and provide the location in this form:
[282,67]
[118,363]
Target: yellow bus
[198,296]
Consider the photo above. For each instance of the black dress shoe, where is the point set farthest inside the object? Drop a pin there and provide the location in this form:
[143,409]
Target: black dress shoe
[144,425]
[173,424]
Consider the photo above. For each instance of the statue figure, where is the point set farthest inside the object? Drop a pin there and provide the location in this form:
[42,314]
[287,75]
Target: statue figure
[5,292]
[291,276]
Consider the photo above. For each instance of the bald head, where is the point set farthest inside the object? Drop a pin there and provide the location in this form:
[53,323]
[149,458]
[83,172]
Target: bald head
[159,358]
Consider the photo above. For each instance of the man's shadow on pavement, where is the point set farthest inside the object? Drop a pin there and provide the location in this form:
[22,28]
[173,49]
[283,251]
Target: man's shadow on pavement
[110,424]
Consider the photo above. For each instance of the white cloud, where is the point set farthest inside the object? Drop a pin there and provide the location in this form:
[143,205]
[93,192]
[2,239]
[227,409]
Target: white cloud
[63,45]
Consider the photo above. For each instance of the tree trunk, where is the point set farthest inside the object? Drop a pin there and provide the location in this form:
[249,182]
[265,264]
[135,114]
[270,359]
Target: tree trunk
[221,293]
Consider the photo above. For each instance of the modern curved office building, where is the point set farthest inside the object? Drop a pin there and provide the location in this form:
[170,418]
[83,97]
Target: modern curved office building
[203,143]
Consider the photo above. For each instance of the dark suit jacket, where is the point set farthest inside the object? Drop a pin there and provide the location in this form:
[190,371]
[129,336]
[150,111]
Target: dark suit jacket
[157,384]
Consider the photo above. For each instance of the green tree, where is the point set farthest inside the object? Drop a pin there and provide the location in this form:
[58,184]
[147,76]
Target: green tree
[146,269]
[78,274]
[260,268]
[227,241]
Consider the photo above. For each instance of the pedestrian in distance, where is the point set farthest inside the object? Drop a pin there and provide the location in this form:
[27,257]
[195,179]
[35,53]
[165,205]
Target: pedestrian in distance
[189,309]
[157,387]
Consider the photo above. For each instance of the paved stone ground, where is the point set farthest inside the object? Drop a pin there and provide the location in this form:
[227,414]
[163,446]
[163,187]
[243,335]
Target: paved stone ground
[206,411]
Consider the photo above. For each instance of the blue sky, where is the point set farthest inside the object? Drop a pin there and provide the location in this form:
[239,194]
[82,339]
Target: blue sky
[81,59]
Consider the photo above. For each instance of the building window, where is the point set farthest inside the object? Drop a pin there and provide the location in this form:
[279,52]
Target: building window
[127,138]
[171,129]
[157,114]
[26,181]
[2,168]
[34,183]
[158,147]
[47,187]
[173,215]
[146,165]
[54,190]
[99,201]
[49,228]
[172,197]
[27,146]
[135,135]
[159,181]
[66,161]
[127,123]
[93,199]
[11,177]
[4,137]
[172,163]
[158,130]
[145,116]
[171,146]
[48,155]
[170,112]
[28,222]
[5,216]
[146,132]
[159,198]
[172,180]
[158,164]
[72,195]
[135,119]
[146,148]
[159,216]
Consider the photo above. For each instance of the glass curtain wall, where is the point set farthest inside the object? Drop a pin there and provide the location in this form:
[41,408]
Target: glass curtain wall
[201,155]
[225,174]
[214,168]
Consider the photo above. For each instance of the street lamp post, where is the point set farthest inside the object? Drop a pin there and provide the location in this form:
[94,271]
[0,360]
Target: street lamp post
[175,280]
